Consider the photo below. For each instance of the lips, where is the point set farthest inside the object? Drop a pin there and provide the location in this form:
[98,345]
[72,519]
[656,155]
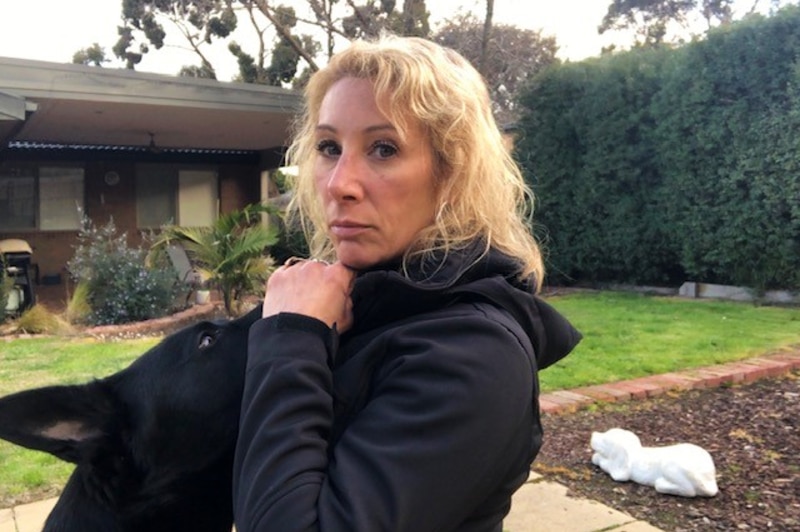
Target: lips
[347,228]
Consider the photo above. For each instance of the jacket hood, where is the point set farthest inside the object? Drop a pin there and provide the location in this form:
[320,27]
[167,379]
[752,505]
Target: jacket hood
[465,275]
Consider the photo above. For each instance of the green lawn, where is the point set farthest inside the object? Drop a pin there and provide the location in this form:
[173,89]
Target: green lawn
[29,362]
[26,363]
[625,336]
[630,335]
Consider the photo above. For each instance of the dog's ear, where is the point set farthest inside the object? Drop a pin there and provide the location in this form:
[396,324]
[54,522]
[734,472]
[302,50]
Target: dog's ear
[65,421]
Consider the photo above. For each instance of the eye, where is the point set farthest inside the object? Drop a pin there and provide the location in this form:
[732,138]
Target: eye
[328,148]
[206,340]
[383,149]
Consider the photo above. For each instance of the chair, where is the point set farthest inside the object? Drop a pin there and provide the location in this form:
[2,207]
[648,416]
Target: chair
[186,273]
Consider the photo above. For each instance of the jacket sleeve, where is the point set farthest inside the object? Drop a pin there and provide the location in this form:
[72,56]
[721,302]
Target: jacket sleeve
[449,420]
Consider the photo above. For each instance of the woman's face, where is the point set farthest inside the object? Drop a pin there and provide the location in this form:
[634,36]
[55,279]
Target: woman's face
[377,190]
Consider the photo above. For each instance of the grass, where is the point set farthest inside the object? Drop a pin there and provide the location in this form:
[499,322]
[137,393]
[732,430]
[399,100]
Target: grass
[625,336]
[27,363]
[630,335]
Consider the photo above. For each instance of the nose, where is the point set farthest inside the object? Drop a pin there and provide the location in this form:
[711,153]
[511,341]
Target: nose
[344,180]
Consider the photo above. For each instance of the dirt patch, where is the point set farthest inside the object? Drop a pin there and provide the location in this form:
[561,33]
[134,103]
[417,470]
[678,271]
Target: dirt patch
[750,430]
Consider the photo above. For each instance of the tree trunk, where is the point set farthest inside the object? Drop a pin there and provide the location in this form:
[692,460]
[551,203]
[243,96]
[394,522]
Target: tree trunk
[487,31]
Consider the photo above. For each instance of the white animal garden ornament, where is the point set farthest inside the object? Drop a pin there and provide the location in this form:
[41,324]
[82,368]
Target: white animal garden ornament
[684,469]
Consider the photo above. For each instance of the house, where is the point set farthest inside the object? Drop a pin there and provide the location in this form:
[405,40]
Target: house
[143,149]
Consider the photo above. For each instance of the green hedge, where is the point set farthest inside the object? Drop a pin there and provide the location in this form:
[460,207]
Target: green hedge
[658,166]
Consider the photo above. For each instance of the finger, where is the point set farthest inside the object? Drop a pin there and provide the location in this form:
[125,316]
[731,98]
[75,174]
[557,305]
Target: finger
[291,261]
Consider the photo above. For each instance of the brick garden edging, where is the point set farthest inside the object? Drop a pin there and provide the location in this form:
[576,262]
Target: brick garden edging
[747,370]
[154,326]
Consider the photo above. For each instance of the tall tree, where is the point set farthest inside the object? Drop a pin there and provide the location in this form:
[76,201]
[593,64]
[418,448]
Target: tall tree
[651,19]
[201,22]
[198,22]
[512,56]
[92,55]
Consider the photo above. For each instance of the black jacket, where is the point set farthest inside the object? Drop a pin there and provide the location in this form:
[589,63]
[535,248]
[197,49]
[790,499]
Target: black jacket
[423,417]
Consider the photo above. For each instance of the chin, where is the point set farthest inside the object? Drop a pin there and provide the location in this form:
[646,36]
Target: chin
[358,259]
[357,263]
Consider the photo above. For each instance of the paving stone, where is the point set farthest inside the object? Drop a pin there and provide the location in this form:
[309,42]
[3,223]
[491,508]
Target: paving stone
[636,526]
[546,506]
[7,521]
[31,517]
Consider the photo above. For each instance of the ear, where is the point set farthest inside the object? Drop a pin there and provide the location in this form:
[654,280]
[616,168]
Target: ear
[620,470]
[61,420]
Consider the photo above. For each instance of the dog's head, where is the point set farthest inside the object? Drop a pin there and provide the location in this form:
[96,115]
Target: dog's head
[182,397]
[613,451]
[169,415]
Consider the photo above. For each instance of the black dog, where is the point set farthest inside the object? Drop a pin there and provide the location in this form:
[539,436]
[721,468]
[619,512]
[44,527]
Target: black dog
[153,443]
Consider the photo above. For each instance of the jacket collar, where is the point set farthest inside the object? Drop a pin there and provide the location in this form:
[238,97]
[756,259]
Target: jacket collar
[383,295]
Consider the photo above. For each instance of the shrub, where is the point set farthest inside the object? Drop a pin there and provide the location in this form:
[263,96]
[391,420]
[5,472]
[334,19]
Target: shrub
[291,242]
[120,287]
[655,166]
[231,254]
[6,284]
[39,320]
[78,308]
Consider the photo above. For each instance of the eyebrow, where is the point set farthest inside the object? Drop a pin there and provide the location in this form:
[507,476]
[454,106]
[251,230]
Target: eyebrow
[370,129]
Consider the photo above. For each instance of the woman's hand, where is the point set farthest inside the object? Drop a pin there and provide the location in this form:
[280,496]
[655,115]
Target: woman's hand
[312,288]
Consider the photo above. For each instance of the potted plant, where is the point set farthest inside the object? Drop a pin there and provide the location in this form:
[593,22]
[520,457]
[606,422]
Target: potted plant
[202,293]
[231,255]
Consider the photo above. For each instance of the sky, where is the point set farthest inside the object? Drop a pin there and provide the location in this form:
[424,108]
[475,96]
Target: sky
[53,30]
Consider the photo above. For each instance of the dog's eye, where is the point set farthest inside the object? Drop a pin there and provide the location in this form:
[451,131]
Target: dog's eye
[206,340]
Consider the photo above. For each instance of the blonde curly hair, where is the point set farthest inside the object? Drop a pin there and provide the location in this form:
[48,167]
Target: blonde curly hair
[482,195]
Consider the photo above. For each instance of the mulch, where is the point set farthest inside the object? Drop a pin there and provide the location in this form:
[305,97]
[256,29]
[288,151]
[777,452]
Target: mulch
[751,431]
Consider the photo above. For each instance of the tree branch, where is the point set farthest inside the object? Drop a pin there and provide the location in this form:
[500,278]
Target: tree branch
[365,23]
[264,7]
[191,39]
[262,49]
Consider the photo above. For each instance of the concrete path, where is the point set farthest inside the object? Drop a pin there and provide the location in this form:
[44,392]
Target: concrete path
[541,505]
[544,506]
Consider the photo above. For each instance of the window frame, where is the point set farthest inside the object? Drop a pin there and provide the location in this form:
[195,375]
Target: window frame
[33,170]
[174,171]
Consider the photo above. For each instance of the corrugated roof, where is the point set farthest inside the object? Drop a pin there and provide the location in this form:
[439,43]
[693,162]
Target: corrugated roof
[54,146]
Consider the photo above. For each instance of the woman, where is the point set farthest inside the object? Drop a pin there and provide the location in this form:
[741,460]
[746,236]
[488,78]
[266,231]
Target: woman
[395,387]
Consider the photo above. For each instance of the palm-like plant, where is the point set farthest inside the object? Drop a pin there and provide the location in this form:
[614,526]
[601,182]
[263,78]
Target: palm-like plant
[230,255]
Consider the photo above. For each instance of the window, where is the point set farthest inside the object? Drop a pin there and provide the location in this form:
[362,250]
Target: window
[156,188]
[197,198]
[60,198]
[17,201]
[167,195]
[46,198]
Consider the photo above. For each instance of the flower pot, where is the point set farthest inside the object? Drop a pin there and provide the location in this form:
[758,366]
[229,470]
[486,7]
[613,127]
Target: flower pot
[202,297]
